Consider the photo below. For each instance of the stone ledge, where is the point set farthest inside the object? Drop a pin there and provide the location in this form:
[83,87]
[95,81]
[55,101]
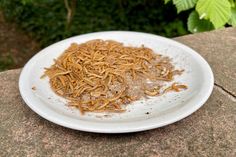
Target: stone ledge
[219,49]
[211,131]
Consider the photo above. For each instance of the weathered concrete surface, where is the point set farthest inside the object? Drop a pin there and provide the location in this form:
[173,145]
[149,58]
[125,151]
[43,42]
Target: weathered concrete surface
[211,131]
[219,49]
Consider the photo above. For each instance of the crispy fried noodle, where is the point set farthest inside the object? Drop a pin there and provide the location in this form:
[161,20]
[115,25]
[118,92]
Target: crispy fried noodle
[104,76]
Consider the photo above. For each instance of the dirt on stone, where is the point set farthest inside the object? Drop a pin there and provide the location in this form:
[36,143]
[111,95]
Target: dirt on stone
[16,47]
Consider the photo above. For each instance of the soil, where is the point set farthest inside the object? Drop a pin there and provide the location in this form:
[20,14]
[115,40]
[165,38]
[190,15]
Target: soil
[15,45]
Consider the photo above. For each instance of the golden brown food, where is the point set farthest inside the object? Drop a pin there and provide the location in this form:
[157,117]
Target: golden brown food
[105,75]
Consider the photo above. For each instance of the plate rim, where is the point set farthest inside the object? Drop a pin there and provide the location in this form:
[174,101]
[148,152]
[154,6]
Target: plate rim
[117,130]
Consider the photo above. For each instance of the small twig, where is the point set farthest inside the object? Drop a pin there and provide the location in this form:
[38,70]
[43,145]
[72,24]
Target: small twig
[70,11]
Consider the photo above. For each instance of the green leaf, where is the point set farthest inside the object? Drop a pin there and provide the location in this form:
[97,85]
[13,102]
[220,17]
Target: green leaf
[232,3]
[195,24]
[232,20]
[166,1]
[182,5]
[217,11]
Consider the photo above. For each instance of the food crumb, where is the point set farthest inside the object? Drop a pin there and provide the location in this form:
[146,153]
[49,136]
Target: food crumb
[33,88]
[106,115]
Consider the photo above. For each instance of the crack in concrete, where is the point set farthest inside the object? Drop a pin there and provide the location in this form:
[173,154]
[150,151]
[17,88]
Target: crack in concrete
[229,93]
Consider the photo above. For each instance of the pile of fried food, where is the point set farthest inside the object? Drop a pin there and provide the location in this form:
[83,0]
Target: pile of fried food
[104,75]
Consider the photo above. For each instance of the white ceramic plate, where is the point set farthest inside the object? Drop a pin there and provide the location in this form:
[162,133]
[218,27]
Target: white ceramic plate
[140,115]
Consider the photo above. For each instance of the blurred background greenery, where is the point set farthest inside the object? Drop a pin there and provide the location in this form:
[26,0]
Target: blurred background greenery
[48,21]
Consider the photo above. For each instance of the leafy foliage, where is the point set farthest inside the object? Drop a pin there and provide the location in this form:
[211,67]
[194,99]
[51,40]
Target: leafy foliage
[209,14]
[195,24]
[217,11]
[166,1]
[46,19]
[182,5]
[232,20]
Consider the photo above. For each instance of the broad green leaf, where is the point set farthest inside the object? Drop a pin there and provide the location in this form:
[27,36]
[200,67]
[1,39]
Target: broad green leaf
[195,24]
[232,20]
[232,3]
[166,1]
[217,11]
[182,5]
